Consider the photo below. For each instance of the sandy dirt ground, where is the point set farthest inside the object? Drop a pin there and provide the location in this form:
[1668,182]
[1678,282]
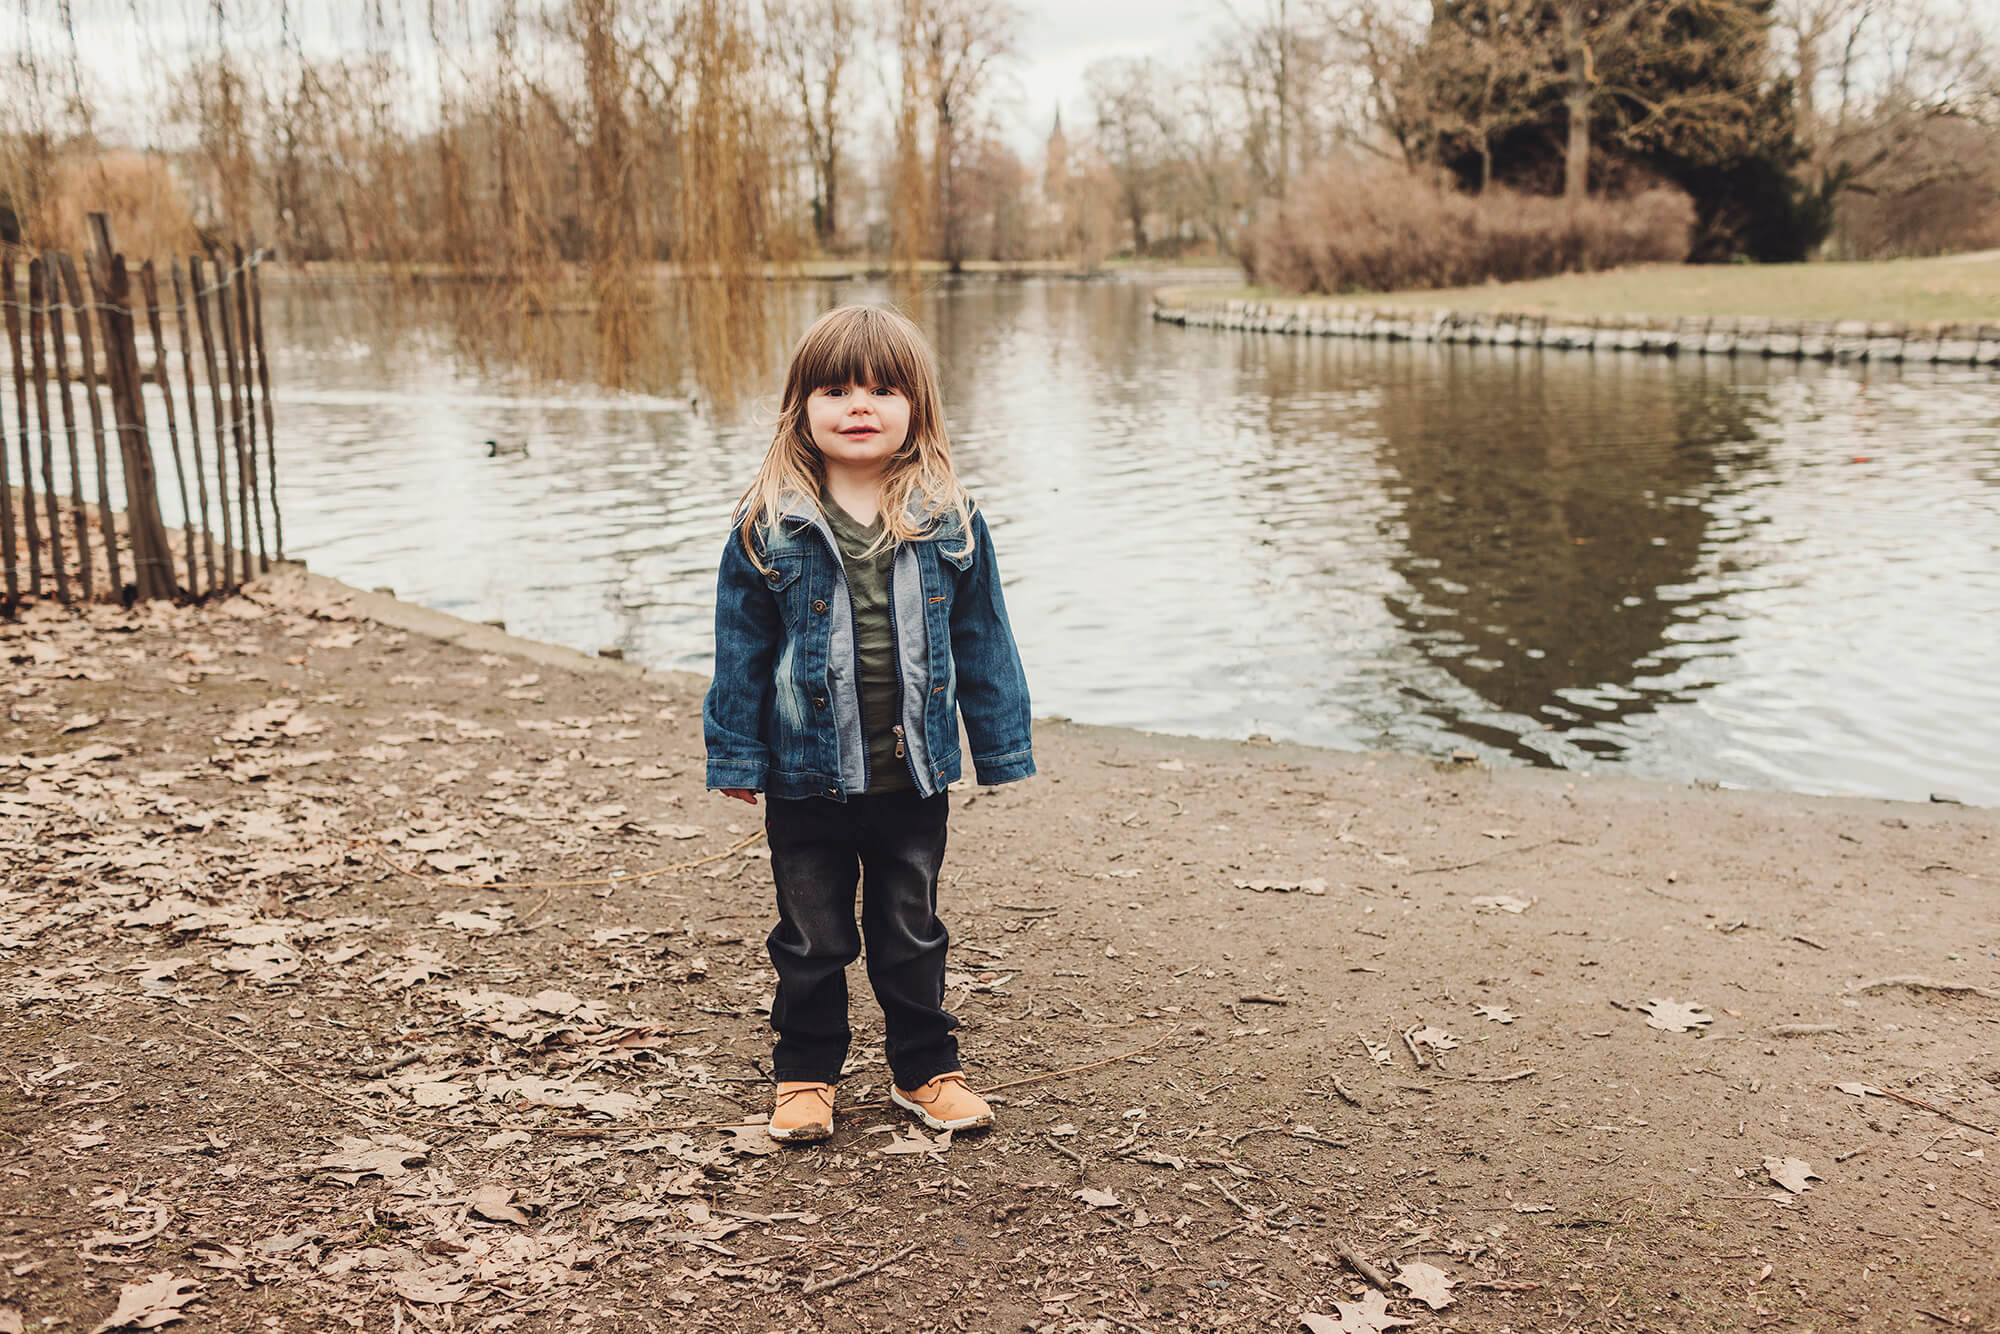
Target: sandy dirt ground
[300,1035]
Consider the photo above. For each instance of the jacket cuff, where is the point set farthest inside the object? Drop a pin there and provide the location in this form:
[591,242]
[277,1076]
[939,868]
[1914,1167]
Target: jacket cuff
[736,773]
[993,770]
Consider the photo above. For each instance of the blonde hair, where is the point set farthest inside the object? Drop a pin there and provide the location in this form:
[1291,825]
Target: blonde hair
[876,347]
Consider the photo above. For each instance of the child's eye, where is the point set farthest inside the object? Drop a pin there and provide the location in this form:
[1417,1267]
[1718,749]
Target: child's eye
[883,390]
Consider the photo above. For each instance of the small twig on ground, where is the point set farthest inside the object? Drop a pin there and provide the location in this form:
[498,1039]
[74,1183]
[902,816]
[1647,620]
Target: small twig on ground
[1345,1096]
[1808,940]
[1415,1053]
[1362,1267]
[1933,1107]
[827,1284]
[1259,998]
[1442,1073]
[1286,1131]
[1927,984]
[1255,1130]
[1466,866]
[1079,1069]
[375,849]
[1067,1152]
[1223,1188]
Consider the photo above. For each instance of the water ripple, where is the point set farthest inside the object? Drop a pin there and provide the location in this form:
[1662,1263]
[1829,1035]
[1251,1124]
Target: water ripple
[1727,571]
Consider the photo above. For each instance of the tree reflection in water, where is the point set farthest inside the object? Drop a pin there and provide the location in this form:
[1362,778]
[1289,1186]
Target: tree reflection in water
[1553,537]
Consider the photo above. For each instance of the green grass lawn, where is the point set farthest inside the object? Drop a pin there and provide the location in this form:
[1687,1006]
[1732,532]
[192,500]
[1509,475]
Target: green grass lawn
[1955,288]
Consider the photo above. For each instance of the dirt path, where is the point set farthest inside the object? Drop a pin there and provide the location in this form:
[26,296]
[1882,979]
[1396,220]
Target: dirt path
[255,1072]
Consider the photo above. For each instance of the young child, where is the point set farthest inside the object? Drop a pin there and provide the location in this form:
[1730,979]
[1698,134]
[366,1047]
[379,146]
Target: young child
[857,614]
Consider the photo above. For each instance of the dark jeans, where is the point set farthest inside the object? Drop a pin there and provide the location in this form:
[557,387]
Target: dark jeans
[892,845]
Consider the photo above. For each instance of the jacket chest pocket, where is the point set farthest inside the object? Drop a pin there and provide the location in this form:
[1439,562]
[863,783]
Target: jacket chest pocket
[785,579]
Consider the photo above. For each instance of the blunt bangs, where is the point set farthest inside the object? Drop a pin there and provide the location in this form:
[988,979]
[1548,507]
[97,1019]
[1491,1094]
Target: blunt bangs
[862,345]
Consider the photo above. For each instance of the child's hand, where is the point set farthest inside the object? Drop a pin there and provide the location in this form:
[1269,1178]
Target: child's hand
[740,793]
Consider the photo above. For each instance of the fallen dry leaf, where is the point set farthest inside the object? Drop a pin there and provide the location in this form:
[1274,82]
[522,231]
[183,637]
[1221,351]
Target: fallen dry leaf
[1427,1283]
[496,1203]
[918,1142]
[1096,1199]
[1504,902]
[1791,1173]
[387,1156]
[1859,1090]
[1672,1016]
[1434,1038]
[754,1139]
[431,1288]
[150,1302]
[1370,1315]
[1499,1014]
[479,921]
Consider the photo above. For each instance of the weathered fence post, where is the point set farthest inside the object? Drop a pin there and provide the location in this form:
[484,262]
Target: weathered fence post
[38,279]
[264,392]
[200,294]
[79,504]
[107,519]
[224,284]
[152,290]
[113,286]
[249,405]
[8,556]
[13,312]
[194,430]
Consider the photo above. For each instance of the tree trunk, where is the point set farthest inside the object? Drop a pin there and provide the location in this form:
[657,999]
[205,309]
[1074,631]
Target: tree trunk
[1576,102]
[829,170]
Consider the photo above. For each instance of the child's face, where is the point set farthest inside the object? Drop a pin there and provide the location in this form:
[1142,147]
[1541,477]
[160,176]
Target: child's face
[858,426]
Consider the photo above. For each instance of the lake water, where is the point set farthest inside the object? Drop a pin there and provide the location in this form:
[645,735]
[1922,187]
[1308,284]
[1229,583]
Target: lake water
[1731,571]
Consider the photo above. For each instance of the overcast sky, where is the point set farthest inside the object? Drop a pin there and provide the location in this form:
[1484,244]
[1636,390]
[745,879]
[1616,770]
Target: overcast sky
[1062,37]
[127,42]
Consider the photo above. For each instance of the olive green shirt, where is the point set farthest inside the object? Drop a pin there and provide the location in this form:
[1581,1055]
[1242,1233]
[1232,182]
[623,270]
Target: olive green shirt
[881,687]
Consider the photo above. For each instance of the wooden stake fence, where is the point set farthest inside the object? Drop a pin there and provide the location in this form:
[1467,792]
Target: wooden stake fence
[47,547]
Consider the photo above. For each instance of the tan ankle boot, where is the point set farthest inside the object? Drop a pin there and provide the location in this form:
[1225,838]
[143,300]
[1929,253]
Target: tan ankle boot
[945,1103]
[802,1111]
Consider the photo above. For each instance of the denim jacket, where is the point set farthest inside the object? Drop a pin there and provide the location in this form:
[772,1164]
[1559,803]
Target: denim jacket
[783,714]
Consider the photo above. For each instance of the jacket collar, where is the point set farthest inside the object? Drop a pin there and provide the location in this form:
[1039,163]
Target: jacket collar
[805,509]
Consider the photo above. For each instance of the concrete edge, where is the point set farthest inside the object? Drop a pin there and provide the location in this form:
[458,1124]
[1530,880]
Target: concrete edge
[322,591]
[1967,343]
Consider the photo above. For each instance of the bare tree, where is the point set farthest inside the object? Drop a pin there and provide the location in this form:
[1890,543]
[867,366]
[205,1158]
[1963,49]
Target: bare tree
[951,50]
[1127,99]
[1900,110]
[814,42]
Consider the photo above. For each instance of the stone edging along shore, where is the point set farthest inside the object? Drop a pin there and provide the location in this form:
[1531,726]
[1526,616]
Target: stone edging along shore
[1719,335]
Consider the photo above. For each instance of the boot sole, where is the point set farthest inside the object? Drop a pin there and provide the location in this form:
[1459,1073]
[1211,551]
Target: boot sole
[963,1122]
[802,1135]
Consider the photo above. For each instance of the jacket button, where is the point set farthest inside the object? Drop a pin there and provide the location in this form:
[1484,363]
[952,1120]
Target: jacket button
[820,606]
[819,701]
[771,577]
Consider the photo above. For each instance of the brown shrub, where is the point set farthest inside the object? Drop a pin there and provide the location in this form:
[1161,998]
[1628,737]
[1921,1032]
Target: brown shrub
[149,214]
[1354,228]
